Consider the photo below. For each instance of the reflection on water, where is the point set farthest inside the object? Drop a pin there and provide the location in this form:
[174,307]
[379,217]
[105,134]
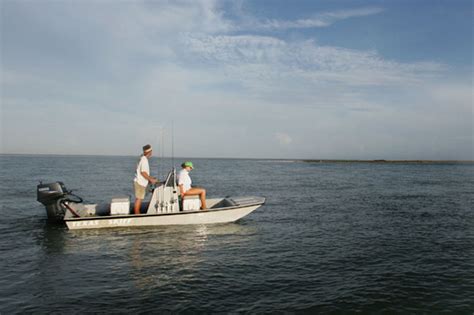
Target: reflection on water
[173,255]
[52,237]
[157,256]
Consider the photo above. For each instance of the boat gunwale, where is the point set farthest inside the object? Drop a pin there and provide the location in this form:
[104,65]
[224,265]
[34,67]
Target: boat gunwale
[164,214]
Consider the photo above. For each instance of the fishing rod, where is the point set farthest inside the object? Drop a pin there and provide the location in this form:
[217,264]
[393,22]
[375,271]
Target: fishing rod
[161,166]
[172,144]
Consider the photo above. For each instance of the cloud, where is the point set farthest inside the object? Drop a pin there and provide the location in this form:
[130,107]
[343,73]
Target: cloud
[264,60]
[458,95]
[319,20]
[283,138]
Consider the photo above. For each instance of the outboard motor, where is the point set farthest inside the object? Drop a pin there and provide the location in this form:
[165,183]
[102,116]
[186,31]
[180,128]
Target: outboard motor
[54,196]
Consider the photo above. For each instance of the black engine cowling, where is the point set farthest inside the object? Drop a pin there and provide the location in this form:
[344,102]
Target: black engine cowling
[51,195]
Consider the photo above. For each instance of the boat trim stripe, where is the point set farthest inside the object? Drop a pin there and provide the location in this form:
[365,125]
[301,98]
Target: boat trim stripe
[162,214]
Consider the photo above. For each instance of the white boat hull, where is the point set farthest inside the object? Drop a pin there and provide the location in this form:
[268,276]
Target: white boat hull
[164,208]
[210,216]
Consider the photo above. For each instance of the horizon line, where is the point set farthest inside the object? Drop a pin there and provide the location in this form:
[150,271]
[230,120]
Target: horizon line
[312,160]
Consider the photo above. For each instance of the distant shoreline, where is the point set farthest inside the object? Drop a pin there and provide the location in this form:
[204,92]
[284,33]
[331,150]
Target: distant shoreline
[381,161]
[393,161]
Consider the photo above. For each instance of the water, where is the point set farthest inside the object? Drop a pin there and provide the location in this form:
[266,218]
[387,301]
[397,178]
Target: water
[370,238]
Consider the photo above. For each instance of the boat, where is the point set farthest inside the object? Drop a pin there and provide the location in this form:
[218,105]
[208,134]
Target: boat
[164,208]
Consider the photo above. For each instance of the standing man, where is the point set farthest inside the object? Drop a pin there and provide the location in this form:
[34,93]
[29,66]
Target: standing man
[142,178]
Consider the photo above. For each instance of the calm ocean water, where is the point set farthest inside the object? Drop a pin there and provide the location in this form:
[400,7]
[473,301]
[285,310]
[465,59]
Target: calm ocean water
[370,238]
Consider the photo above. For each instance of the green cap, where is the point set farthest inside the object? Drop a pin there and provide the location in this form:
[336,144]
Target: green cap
[188,164]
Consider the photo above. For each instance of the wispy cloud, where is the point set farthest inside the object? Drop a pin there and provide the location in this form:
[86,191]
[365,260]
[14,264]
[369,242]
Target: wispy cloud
[283,138]
[318,20]
[265,59]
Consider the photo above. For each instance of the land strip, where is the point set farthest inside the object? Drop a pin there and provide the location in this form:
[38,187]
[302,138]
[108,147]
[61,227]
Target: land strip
[392,161]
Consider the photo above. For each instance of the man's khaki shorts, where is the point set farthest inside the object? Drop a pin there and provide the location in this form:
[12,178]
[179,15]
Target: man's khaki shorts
[139,191]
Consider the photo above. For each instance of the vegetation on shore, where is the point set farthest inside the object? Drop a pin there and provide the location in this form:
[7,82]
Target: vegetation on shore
[393,161]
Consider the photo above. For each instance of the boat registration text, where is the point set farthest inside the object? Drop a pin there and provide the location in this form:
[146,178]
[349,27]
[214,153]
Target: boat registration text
[118,222]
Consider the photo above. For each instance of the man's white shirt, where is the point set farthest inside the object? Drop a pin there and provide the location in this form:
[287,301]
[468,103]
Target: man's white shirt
[142,166]
[184,179]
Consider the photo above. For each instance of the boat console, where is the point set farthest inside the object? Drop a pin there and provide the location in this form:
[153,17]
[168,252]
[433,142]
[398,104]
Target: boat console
[164,198]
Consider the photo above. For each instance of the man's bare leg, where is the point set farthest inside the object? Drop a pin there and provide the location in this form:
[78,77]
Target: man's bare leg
[138,204]
[201,192]
[202,196]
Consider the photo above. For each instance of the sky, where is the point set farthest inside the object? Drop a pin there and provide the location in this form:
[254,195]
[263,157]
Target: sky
[312,79]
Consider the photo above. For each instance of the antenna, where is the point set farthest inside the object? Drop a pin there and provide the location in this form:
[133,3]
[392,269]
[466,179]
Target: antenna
[172,144]
[162,153]
[161,167]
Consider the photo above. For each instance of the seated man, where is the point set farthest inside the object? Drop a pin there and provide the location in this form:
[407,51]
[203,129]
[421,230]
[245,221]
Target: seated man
[184,183]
